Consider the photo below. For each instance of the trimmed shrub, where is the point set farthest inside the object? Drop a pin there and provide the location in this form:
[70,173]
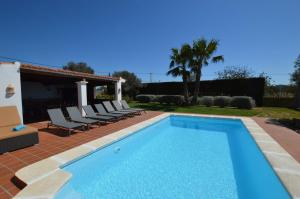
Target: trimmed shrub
[127,98]
[206,101]
[242,102]
[156,98]
[222,101]
[145,98]
[104,97]
[191,99]
[171,99]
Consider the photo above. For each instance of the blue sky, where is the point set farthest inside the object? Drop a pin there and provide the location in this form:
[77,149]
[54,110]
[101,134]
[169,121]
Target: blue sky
[137,35]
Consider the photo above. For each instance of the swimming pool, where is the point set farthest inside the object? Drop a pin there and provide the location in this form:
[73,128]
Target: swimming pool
[177,157]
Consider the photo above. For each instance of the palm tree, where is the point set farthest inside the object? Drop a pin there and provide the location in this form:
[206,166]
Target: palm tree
[178,66]
[203,54]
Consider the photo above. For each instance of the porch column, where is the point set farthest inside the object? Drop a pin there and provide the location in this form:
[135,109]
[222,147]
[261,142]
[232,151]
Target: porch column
[95,92]
[82,95]
[118,89]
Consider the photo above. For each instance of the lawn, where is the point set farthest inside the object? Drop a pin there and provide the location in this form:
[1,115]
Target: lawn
[271,112]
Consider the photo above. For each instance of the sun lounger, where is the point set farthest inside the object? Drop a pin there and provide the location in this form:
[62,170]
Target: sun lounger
[126,107]
[11,140]
[58,119]
[118,107]
[76,116]
[102,111]
[110,109]
[90,113]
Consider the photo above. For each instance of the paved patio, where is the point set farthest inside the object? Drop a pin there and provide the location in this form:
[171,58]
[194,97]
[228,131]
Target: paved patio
[287,138]
[52,142]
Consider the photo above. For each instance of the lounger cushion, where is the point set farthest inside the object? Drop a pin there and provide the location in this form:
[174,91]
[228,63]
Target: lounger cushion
[9,116]
[7,132]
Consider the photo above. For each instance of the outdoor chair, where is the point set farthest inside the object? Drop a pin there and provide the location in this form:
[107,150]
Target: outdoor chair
[58,119]
[76,116]
[110,109]
[126,107]
[90,113]
[102,111]
[118,107]
[11,140]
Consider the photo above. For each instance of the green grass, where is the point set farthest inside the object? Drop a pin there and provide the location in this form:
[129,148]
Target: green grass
[271,112]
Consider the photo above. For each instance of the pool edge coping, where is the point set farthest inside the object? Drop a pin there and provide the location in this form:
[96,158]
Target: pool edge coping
[38,175]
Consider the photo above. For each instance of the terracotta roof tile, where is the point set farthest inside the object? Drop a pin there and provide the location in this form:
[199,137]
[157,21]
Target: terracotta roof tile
[6,62]
[58,71]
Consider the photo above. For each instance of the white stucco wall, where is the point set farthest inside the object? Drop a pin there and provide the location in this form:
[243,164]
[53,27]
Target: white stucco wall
[10,75]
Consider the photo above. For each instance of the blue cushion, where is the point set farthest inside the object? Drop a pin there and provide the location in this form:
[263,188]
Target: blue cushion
[19,127]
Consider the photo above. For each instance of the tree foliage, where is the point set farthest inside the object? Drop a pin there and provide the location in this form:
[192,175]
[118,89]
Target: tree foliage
[243,72]
[180,60]
[132,84]
[295,76]
[188,62]
[235,72]
[79,67]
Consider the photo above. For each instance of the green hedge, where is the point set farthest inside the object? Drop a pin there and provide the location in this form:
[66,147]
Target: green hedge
[145,98]
[222,101]
[242,102]
[206,101]
[278,102]
[171,99]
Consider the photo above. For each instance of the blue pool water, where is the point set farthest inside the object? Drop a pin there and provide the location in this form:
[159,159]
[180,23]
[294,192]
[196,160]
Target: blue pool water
[179,157]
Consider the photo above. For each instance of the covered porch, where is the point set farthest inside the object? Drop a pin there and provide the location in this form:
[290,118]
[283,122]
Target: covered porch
[34,89]
[44,88]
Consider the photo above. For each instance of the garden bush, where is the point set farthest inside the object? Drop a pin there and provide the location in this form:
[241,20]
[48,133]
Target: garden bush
[104,96]
[127,98]
[206,101]
[157,98]
[222,101]
[242,102]
[171,99]
[145,98]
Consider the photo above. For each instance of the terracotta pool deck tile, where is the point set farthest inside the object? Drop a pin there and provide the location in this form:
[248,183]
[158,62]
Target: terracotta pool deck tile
[54,141]
[31,160]
[5,195]
[287,138]
[3,170]
[13,166]
[7,178]
[14,190]
[1,190]
[23,155]
[8,185]
[41,153]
